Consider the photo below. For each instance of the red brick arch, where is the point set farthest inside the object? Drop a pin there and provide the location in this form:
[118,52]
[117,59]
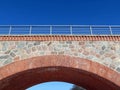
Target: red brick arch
[26,73]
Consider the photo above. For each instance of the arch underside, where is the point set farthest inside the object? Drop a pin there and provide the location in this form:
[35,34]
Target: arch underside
[56,68]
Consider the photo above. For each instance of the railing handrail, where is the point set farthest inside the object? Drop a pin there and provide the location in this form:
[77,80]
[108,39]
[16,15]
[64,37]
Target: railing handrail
[57,25]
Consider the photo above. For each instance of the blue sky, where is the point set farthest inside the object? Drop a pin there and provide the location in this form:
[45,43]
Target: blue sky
[81,12]
[55,12]
[52,86]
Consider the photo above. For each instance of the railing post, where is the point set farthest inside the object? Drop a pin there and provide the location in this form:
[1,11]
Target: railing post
[30,30]
[10,30]
[50,30]
[91,30]
[71,30]
[110,30]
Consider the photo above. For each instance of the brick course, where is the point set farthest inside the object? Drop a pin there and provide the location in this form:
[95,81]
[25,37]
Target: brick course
[59,38]
[91,75]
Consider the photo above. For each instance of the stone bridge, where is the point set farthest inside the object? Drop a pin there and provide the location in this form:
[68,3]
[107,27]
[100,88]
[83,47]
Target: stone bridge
[92,62]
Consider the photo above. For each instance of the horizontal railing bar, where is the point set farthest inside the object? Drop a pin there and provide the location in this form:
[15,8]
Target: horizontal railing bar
[56,35]
[64,25]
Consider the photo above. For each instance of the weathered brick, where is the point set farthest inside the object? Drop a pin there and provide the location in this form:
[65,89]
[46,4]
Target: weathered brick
[58,67]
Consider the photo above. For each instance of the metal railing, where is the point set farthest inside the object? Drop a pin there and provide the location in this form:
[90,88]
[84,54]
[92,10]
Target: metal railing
[59,30]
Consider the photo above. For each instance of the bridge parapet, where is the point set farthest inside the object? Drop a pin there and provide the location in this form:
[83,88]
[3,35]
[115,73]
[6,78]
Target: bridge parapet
[43,53]
[103,51]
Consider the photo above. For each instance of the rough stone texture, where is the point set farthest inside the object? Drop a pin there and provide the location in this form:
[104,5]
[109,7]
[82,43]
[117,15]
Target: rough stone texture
[89,61]
[88,74]
[103,52]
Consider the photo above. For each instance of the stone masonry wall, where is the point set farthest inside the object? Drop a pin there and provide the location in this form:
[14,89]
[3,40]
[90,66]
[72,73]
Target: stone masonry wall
[104,52]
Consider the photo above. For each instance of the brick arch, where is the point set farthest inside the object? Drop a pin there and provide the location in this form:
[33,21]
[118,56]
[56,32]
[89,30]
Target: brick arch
[25,73]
